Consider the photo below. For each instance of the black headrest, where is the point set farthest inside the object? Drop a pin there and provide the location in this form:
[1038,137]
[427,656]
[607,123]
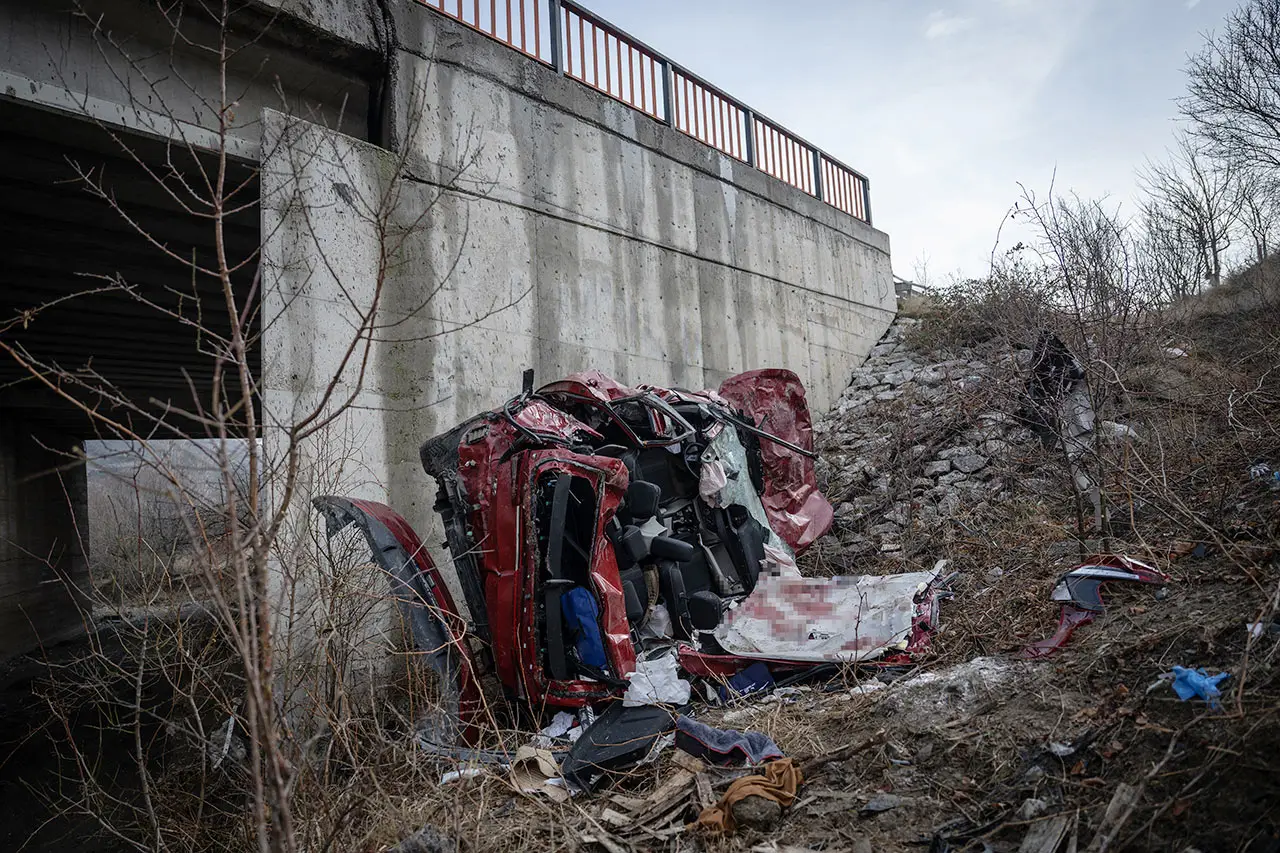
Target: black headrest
[630,546]
[635,607]
[643,499]
[705,609]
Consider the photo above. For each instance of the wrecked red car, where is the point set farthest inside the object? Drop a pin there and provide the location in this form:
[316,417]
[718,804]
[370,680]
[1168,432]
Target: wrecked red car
[588,521]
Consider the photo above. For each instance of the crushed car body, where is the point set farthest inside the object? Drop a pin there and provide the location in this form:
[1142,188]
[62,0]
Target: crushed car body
[591,523]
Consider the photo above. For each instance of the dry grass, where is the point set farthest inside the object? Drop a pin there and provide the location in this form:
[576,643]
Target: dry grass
[965,748]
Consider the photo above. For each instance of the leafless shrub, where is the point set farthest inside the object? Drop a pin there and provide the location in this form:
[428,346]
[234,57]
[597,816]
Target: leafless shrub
[1192,209]
[250,693]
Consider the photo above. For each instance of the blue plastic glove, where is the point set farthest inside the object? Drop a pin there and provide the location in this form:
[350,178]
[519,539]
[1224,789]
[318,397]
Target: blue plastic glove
[1197,682]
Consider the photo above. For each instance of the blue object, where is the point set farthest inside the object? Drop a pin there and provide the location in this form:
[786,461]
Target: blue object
[751,680]
[725,747]
[1197,682]
[583,618]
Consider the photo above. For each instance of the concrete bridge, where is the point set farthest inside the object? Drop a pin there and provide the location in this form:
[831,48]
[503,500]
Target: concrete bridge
[533,188]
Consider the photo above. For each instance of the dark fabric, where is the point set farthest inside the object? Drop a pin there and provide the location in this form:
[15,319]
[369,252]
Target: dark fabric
[751,680]
[619,738]
[1055,371]
[724,746]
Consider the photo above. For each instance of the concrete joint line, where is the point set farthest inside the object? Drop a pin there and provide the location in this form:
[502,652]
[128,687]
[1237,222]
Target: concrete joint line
[612,132]
[552,214]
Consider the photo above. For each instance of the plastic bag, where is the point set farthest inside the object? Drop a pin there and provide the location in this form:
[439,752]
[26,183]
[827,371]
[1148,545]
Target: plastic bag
[656,682]
[658,625]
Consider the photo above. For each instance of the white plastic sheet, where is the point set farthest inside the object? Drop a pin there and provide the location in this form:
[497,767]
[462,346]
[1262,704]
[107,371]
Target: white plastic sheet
[658,625]
[656,682]
[826,619]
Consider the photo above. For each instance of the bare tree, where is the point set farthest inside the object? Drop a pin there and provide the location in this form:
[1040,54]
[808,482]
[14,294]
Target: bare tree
[1259,197]
[1233,93]
[1099,286]
[225,680]
[920,270]
[1193,205]
[1172,258]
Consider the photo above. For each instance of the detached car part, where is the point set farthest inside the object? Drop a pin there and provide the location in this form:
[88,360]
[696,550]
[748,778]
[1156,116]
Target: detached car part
[1080,591]
[425,606]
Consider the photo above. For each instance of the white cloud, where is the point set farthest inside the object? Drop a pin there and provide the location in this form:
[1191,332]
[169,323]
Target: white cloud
[1191,4]
[941,25]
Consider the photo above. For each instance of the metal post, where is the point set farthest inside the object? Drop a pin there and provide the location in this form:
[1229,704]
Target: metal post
[557,35]
[866,198]
[668,94]
[750,118]
[817,173]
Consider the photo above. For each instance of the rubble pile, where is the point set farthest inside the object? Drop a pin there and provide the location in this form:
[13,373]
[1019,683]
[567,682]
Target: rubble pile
[918,438]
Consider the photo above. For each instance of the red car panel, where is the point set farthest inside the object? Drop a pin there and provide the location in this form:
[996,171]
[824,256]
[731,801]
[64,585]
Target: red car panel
[774,400]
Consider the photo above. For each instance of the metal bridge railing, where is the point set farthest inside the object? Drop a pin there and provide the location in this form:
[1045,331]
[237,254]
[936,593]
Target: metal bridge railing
[521,24]
[581,45]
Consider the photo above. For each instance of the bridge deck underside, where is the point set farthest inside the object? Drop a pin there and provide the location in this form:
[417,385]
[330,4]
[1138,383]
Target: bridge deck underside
[60,240]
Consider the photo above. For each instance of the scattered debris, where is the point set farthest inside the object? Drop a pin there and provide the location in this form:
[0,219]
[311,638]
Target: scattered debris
[656,681]
[952,692]
[459,775]
[748,799]
[534,771]
[1080,591]
[724,746]
[881,803]
[754,679]
[1046,836]
[1262,471]
[1118,811]
[619,738]
[1032,808]
[1196,682]
[562,726]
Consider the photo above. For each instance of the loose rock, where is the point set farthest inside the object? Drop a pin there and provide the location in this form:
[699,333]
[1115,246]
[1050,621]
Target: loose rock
[969,464]
[757,812]
[881,803]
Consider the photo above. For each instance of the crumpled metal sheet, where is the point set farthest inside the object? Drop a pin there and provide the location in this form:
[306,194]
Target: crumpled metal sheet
[540,417]
[774,399]
[843,619]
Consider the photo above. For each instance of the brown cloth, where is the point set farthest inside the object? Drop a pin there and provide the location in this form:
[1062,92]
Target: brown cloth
[779,783]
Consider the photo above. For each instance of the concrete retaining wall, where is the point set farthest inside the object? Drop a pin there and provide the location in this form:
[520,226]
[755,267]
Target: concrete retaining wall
[651,254]
[614,241]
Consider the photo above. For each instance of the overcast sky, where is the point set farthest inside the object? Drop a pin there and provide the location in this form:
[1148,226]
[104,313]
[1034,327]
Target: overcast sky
[947,106]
